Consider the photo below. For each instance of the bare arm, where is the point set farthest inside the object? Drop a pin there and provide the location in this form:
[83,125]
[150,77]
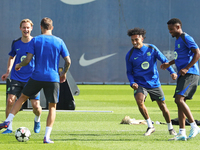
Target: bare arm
[66,68]
[164,66]
[193,61]
[24,62]
[9,67]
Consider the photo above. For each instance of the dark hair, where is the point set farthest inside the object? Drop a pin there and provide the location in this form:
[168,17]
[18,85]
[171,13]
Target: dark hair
[174,21]
[136,31]
[46,23]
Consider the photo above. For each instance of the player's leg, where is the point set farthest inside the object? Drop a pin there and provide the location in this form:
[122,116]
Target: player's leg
[183,112]
[181,115]
[51,92]
[50,121]
[17,106]
[140,95]
[184,108]
[163,107]
[186,87]
[181,136]
[37,110]
[30,89]
[10,102]
[157,95]
[13,91]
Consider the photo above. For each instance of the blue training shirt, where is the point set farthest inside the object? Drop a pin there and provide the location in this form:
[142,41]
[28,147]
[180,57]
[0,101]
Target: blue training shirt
[142,66]
[18,49]
[183,54]
[47,50]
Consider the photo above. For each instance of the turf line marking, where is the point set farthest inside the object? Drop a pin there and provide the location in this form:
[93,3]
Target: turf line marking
[75,111]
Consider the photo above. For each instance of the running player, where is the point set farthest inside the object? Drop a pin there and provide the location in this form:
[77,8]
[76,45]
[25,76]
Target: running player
[141,65]
[186,59]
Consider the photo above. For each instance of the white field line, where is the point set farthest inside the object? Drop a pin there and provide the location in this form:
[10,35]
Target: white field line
[75,111]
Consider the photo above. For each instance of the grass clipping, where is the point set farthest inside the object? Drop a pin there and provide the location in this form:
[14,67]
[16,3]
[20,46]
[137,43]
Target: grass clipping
[128,120]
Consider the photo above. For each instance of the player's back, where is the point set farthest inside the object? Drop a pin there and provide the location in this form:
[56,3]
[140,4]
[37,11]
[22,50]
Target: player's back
[47,51]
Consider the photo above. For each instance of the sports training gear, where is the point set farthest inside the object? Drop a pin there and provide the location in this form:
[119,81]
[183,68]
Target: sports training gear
[183,46]
[144,61]
[7,131]
[47,66]
[179,137]
[36,127]
[149,131]
[193,133]
[5,124]
[172,132]
[48,142]
[19,50]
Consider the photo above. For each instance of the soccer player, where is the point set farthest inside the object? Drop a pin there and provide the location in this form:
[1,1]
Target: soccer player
[20,78]
[141,65]
[47,49]
[186,59]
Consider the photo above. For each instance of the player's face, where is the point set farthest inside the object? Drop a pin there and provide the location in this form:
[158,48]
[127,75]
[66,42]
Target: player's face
[137,41]
[173,29]
[26,29]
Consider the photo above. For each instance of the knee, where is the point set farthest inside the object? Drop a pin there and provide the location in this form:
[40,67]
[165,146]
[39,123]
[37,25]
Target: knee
[36,105]
[140,103]
[163,107]
[10,102]
[178,101]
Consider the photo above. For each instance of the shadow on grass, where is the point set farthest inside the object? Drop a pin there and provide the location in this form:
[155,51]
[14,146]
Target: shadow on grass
[112,137]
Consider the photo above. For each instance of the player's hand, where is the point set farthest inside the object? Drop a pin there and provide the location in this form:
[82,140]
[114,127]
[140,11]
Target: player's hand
[164,66]
[174,76]
[4,77]
[135,86]
[63,77]
[183,71]
[17,67]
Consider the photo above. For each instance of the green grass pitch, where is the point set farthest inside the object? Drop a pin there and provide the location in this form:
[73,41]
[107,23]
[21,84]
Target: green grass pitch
[81,130]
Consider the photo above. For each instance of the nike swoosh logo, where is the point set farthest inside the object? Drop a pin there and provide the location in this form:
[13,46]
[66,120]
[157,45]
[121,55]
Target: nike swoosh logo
[136,58]
[84,62]
[76,2]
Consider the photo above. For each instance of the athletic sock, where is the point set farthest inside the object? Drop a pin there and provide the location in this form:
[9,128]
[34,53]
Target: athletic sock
[169,126]
[149,123]
[193,125]
[47,133]
[37,118]
[10,117]
[182,131]
[10,126]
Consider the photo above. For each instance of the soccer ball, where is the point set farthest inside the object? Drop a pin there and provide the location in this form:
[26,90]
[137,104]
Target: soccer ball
[22,134]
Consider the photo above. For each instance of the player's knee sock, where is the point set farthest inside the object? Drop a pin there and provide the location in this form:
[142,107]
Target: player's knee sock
[193,125]
[182,131]
[48,132]
[10,117]
[149,123]
[10,126]
[169,126]
[37,118]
